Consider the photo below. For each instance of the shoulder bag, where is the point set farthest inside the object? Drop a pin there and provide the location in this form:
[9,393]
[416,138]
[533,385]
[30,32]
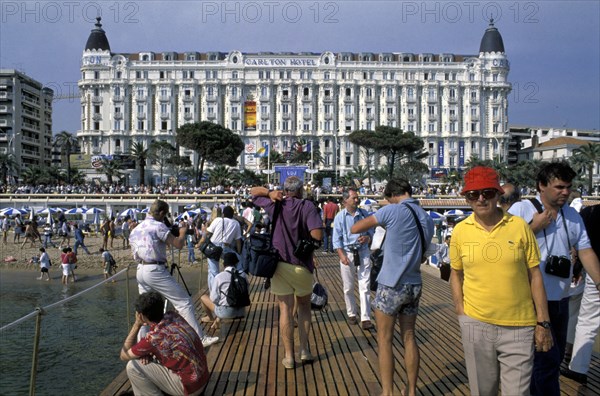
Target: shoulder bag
[259,257]
[209,249]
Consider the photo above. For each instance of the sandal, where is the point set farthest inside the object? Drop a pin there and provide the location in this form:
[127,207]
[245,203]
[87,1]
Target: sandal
[206,319]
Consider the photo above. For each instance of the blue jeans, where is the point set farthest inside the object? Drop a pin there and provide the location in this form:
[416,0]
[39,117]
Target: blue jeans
[77,244]
[213,265]
[328,236]
[546,365]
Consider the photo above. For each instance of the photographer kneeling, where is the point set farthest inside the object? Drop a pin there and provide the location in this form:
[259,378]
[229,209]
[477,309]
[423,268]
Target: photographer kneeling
[149,242]
[169,358]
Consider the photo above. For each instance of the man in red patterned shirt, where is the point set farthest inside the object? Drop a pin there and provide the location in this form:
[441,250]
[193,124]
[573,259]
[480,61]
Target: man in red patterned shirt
[169,358]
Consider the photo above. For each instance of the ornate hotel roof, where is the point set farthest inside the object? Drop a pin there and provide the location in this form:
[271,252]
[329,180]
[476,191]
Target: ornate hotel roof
[97,40]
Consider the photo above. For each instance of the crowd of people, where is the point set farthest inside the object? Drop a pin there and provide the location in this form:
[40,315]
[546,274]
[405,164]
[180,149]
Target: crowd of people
[514,266]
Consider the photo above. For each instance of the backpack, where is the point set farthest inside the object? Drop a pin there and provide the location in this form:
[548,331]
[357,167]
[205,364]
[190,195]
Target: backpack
[111,260]
[237,294]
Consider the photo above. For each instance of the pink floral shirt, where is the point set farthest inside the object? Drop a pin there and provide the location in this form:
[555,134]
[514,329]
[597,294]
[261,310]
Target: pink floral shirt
[149,241]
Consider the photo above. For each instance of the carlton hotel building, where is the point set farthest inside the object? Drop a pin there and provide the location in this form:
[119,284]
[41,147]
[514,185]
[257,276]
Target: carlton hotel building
[456,103]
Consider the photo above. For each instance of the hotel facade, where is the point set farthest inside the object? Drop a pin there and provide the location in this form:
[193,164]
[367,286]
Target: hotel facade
[458,104]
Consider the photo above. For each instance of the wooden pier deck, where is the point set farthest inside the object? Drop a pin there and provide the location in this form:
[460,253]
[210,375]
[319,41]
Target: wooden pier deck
[247,360]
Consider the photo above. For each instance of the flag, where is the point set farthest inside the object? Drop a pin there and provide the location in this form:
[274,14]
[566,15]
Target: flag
[306,148]
[263,151]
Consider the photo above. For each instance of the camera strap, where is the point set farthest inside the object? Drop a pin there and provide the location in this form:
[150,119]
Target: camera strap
[538,207]
[420,227]
[360,212]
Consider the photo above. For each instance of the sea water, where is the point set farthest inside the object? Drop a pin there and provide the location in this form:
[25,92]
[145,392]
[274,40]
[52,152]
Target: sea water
[80,340]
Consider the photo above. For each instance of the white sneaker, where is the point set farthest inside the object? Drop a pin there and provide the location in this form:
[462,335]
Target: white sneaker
[208,341]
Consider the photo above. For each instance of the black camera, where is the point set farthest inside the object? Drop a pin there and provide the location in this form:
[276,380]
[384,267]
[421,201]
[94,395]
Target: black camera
[174,227]
[558,266]
[305,248]
[355,247]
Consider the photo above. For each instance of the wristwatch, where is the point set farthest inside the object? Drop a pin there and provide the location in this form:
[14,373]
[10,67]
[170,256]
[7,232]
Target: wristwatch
[545,324]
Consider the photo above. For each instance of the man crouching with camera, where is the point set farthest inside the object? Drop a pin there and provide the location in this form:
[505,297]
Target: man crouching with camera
[149,242]
[169,358]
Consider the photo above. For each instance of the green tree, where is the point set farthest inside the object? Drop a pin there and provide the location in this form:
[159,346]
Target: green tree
[588,155]
[66,142]
[247,177]
[111,169]
[161,152]
[219,175]
[77,176]
[140,155]
[299,156]
[397,146]
[358,173]
[211,142]
[275,157]
[181,166]
[35,174]
[8,165]
[413,171]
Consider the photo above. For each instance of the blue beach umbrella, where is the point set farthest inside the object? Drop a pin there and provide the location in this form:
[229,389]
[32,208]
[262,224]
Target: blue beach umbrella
[129,212]
[12,211]
[189,214]
[187,207]
[94,211]
[454,212]
[435,216]
[76,211]
[145,210]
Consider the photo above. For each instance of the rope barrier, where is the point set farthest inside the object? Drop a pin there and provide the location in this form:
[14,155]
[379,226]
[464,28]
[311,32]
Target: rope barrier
[34,313]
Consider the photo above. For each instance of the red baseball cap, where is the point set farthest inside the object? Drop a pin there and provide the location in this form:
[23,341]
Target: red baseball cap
[481,178]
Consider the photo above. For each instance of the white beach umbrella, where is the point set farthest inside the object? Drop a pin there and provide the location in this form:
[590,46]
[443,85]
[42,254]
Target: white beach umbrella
[454,212]
[189,214]
[94,211]
[12,211]
[130,212]
[76,211]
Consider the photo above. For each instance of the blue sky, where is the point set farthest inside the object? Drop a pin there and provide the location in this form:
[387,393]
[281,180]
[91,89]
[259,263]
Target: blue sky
[553,46]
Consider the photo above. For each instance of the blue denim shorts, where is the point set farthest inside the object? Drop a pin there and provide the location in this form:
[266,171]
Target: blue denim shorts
[403,299]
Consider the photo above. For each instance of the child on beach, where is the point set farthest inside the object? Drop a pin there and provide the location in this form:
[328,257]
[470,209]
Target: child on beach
[44,264]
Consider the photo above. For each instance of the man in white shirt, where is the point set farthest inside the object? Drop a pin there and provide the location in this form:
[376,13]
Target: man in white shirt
[225,232]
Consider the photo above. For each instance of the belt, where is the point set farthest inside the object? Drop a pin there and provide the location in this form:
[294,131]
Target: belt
[153,263]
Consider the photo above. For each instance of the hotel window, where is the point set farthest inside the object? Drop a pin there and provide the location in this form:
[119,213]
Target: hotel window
[495,94]
[138,74]
[261,74]
[305,91]
[452,112]
[210,91]
[119,74]
[233,124]
[392,75]
[410,92]
[117,91]
[263,126]
[306,110]
[117,110]
[348,109]
[96,75]
[473,127]
[264,91]
[289,74]
[140,125]
[411,111]
[452,93]
[301,74]
[327,109]
[234,110]
[117,125]
[495,77]
[263,109]
[343,75]
[163,126]
[268,74]
[369,93]
[390,110]
[234,75]
[163,108]
[474,95]
[495,112]
[453,127]
[495,128]
[285,126]
[431,127]
[474,112]
[187,92]
[327,93]
[282,74]
[326,75]
[327,126]
[385,75]
[186,110]
[431,94]
[369,125]
[184,74]
[234,91]
[348,91]
[162,75]
[348,160]
[285,108]
[164,92]
[411,127]
[211,110]
[471,76]
[431,110]
[306,127]
[285,93]
[390,92]
[140,108]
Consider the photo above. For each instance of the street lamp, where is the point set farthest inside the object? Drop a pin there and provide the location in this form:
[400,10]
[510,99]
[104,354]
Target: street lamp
[335,156]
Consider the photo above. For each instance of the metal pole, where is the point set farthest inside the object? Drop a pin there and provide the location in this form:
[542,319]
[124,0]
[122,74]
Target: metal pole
[127,298]
[36,345]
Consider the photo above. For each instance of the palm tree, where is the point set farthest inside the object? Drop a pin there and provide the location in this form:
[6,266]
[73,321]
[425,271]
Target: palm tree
[66,142]
[162,152]
[110,169]
[141,155]
[8,165]
[219,175]
[35,174]
[589,155]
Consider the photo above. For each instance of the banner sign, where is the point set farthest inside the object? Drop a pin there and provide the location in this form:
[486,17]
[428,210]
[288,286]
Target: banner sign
[287,171]
[461,153]
[441,153]
[250,116]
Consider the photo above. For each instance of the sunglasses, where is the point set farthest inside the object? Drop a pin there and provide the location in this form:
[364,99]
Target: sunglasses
[487,194]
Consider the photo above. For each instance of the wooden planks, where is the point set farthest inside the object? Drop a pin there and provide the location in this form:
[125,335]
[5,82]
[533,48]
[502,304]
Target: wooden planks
[247,361]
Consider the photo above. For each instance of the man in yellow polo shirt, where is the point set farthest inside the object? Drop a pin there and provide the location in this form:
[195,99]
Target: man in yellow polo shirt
[497,290]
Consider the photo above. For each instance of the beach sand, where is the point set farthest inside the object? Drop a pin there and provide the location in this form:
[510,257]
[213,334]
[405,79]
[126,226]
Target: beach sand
[93,261]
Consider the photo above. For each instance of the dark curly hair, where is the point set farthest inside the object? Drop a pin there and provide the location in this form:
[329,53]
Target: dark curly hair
[151,305]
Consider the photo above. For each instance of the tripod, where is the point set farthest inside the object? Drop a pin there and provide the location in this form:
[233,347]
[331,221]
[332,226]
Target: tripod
[174,267]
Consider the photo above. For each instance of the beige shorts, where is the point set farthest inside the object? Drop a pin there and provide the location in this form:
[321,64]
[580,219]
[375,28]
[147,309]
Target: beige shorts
[291,279]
